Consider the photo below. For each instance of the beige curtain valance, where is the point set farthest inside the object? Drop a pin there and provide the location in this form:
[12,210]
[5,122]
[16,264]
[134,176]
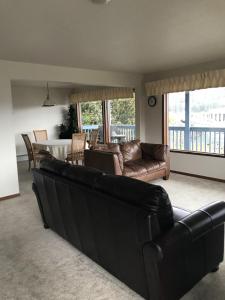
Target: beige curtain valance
[197,81]
[101,94]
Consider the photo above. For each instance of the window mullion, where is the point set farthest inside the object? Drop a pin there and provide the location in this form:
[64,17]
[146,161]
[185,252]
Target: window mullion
[106,125]
[187,122]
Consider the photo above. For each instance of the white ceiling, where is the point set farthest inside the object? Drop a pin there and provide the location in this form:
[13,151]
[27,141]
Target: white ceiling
[126,35]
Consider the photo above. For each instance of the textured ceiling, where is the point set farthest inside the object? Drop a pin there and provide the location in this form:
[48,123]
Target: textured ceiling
[126,35]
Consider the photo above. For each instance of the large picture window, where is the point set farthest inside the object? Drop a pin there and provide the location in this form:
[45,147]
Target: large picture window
[115,119]
[122,119]
[92,117]
[196,121]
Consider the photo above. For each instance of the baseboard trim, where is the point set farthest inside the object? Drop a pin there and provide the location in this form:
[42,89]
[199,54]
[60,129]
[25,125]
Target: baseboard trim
[198,176]
[9,197]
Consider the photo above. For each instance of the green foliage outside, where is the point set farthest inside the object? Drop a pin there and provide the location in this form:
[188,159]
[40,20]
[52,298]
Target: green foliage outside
[91,113]
[122,112]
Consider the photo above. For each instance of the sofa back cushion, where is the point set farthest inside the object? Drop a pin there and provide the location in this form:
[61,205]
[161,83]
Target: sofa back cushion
[83,175]
[152,198]
[54,166]
[131,150]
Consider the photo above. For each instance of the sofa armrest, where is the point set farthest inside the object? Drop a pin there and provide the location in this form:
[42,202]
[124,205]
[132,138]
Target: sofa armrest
[155,151]
[194,226]
[105,161]
[204,219]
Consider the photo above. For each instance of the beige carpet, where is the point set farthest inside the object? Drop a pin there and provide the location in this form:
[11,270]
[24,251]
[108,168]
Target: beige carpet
[38,264]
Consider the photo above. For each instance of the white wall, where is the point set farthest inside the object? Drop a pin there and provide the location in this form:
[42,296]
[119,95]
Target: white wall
[26,71]
[193,164]
[8,166]
[28,113]
[153,131]
[200,165]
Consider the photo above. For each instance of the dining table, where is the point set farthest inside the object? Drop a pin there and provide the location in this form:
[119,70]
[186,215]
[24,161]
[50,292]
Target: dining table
[59,148]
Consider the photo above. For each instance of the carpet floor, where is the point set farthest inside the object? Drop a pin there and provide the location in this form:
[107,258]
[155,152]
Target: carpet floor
[37,264]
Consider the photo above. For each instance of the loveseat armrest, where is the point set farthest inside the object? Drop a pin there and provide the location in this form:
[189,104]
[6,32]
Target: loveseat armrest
[105,161]
[204,219]
[155,151]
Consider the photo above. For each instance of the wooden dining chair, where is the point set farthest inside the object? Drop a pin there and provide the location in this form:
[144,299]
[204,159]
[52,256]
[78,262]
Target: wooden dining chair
[77,148]
[40,135]
[34,155]
[93,139]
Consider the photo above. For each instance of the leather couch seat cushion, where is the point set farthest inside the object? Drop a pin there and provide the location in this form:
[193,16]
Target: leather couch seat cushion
[55,166]
[151,197]
[141,167]
[131,150]
[83,175]
[134,168]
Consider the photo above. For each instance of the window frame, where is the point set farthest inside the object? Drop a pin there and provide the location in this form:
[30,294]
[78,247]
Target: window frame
[165,133]
[105,118]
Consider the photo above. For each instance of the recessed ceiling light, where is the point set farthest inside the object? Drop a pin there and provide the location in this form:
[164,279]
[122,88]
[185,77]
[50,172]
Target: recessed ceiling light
[101,1]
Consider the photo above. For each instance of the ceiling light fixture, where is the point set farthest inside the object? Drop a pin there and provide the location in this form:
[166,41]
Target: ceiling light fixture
[47,102]
[101,1]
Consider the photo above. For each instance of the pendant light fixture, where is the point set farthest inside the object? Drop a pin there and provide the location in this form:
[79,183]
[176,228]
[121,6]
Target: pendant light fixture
[47,102]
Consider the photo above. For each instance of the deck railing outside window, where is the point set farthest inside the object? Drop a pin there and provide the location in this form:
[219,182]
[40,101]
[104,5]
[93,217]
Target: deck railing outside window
[119,133]
[200,139]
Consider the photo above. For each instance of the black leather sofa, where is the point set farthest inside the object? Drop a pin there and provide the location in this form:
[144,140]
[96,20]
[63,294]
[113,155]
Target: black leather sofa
[130,228]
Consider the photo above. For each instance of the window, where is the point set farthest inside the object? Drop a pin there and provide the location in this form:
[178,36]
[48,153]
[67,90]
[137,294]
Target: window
[196,121]
[122,119]
[92,117]
[114,118]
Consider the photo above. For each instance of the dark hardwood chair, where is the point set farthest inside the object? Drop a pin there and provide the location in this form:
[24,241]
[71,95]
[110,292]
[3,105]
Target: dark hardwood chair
[34,155]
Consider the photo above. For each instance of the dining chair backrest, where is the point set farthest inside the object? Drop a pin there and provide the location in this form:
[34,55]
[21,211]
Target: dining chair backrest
[93,138]
[28,145]
[78,142]
[40,135]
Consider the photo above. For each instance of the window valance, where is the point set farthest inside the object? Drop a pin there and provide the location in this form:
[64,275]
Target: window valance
[209,79]
[101,94]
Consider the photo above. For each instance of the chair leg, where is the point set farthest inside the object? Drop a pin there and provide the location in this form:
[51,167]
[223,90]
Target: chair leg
[29,167]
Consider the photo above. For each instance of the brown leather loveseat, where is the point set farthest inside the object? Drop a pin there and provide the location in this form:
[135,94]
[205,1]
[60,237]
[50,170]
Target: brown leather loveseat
[134,159]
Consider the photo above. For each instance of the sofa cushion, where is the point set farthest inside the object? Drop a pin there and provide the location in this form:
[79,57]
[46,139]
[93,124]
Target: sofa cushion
[134,168]
[154,151]
[153,198]
[83,175]
[142,166]
[152,165]
[131,150]
[55,166]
